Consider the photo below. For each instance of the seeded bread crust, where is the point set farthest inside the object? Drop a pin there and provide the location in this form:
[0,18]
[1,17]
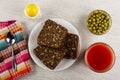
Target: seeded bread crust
[71,43]
[52,35]
[50,57]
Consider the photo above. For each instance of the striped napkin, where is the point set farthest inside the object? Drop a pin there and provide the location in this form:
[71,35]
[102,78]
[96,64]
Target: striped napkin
[20,50]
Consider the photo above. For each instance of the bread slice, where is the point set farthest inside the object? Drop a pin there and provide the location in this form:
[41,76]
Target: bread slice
[71,43]
[50,57]
[52,35]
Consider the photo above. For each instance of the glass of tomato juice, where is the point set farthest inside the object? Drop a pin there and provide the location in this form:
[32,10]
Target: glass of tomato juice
[100,57]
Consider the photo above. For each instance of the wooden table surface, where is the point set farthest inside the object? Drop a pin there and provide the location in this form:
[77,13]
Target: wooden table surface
[76,12]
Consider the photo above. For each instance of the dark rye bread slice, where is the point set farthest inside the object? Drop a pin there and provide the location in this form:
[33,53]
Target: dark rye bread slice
[52,35]
[71,43]
[50,57]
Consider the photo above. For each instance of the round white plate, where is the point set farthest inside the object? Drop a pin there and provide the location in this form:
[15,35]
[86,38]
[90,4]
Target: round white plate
[65,63]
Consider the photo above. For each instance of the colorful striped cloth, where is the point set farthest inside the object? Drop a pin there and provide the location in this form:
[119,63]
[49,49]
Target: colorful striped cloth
[20,51]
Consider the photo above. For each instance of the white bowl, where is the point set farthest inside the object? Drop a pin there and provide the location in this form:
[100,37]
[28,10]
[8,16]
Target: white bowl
[65,63]
[38,14]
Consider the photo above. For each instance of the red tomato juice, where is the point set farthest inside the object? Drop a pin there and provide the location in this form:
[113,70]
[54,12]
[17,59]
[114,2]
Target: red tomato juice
[99,57]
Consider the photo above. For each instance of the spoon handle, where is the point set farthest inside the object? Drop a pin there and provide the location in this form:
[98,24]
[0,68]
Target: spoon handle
[14,65]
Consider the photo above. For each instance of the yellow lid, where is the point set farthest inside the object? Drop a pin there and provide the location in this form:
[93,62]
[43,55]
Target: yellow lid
[32,10]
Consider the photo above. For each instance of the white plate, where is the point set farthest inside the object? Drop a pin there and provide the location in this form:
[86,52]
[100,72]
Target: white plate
[65,63]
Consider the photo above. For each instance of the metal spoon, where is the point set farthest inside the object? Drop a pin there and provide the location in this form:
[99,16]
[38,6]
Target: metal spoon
[11,41]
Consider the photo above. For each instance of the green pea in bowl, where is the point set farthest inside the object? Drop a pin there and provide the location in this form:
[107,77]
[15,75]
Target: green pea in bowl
[99,22]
